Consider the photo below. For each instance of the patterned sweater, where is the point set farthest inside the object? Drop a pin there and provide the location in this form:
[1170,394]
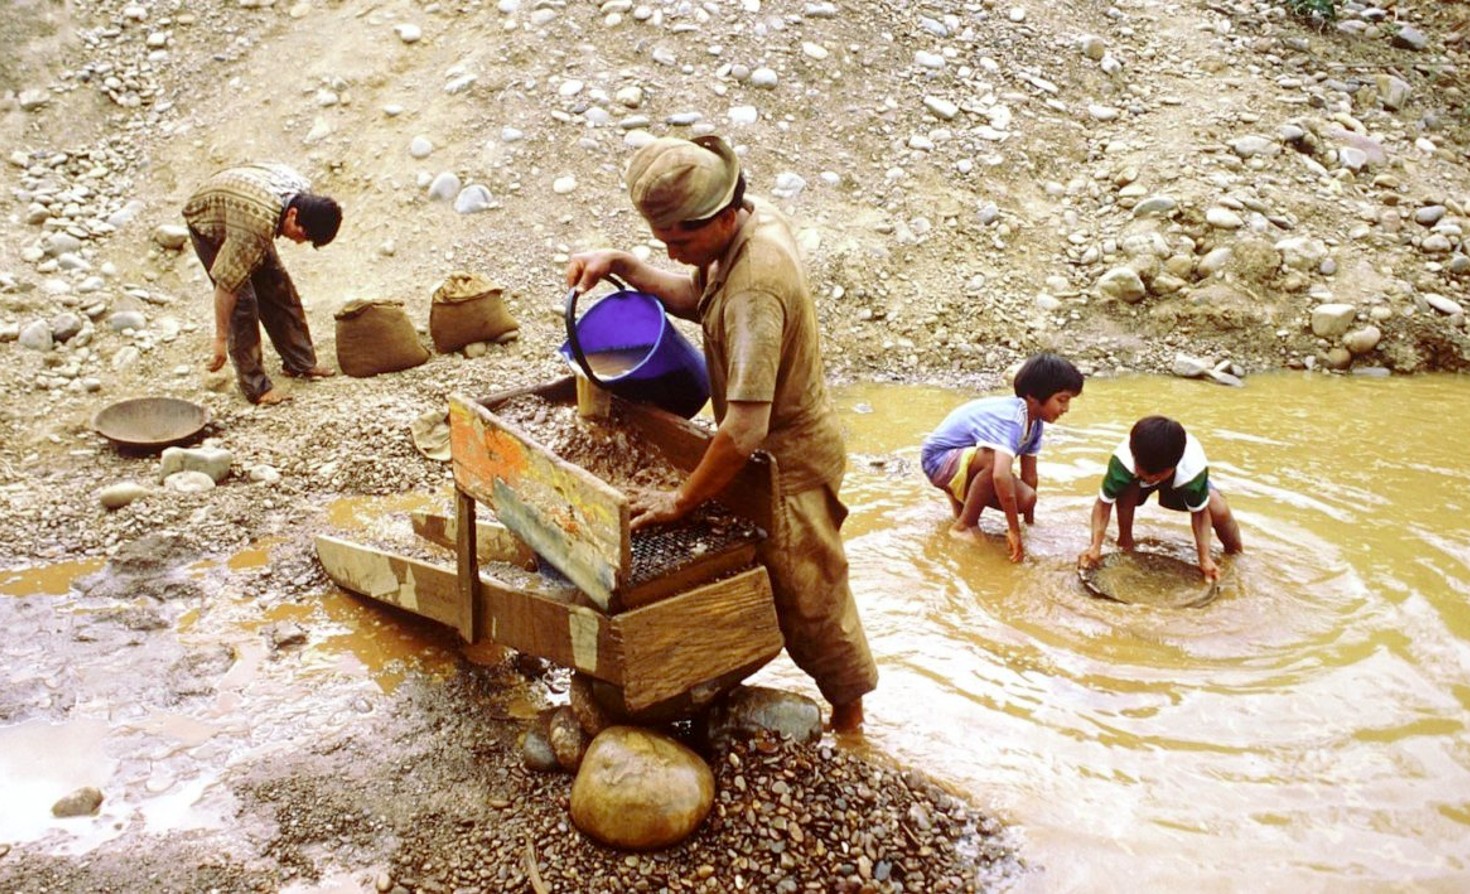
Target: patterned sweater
[240,210]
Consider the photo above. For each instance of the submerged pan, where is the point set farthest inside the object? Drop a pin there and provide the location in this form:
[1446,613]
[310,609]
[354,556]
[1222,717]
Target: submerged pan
[1145,578]
[150,423]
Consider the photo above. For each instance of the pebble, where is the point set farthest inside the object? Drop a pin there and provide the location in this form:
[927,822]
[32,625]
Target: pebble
[1332,320]
[83,802]
[941,108]
[215,462]
[116,496]
[1223,218]
[473,199]
[1362,341]
[36,336]
[189,482]
[1444,305]
[444,187]
[1122,283]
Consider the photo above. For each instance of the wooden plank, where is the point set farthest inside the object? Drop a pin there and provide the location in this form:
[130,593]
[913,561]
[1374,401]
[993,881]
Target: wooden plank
[570,517]
[571,635]
[672,646]
[427,590]
[749,494]
[593,401]
[558,391]
[469,567]
[574,636]
[493,542]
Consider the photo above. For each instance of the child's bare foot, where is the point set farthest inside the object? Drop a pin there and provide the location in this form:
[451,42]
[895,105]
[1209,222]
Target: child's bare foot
[316,372]
[272,397]
[970,534]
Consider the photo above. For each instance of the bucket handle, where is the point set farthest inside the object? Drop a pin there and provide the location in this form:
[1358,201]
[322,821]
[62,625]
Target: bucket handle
[570,314]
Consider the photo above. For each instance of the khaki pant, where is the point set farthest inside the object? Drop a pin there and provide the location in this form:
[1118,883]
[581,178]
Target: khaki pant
[268,299]
[818,616]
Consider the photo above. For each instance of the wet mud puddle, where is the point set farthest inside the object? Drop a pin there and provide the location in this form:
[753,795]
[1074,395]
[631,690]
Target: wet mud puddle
[255,668]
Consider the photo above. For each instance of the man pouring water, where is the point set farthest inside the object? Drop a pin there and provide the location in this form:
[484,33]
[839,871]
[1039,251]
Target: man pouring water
[748,292]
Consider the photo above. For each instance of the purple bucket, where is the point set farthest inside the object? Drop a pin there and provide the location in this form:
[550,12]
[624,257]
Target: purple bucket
[627,344]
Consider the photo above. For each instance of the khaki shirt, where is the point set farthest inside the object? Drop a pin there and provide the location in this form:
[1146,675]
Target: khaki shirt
[761,344]
[240,210]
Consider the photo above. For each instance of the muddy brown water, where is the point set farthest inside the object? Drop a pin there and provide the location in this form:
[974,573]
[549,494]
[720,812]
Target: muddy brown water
[1305,730]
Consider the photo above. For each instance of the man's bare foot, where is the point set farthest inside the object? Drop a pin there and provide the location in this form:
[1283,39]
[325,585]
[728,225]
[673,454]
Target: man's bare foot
[848,718]
[316,372]
[272,397]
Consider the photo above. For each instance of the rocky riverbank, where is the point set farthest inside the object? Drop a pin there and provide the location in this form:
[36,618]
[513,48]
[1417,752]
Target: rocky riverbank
[1206,188]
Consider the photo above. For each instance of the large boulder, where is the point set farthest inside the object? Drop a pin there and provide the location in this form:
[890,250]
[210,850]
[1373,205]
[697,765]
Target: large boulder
[640,790]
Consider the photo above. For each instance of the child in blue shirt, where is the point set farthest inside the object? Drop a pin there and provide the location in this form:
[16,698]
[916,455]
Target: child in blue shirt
[1159,455]
[972,455]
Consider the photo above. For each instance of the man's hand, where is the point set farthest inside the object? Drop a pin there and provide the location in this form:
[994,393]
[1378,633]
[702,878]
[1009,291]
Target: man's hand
[1090,557]
[653,507]
[1014,546]
[1209,569]
[586,269]
[219,356]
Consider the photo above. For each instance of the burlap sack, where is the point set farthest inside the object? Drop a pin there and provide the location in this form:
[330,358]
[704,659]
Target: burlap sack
[376,337]
[468,308]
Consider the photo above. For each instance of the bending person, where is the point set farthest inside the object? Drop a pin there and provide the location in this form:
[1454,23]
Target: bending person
[234,219]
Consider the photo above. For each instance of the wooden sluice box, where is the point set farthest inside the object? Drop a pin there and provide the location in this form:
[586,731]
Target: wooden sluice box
[665,617]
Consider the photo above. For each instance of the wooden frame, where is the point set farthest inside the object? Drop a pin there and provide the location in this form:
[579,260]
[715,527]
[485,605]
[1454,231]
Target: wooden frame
[703,626]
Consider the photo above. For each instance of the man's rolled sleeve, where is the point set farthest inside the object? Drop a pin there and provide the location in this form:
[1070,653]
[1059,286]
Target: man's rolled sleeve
[754,323]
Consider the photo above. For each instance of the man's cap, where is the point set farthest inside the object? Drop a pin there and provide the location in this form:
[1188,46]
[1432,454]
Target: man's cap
[673,180]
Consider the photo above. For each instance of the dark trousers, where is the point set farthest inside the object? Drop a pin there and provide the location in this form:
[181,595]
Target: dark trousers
[268,299]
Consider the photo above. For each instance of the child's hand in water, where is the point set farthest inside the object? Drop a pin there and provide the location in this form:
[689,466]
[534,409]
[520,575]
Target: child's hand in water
[1014,546]
[1089,558]
[1210,570]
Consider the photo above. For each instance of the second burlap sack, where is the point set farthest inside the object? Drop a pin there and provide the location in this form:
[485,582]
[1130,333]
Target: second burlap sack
[468,308]
[376,336]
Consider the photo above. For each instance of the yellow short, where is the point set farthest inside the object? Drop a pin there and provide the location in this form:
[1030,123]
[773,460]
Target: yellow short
[959,485]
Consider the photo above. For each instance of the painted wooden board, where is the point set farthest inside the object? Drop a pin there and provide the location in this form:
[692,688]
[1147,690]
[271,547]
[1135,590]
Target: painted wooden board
[570,517]
[682,441]
[493,542]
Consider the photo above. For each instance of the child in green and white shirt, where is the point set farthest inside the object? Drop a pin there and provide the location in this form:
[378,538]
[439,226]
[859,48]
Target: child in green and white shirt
[1159,455]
